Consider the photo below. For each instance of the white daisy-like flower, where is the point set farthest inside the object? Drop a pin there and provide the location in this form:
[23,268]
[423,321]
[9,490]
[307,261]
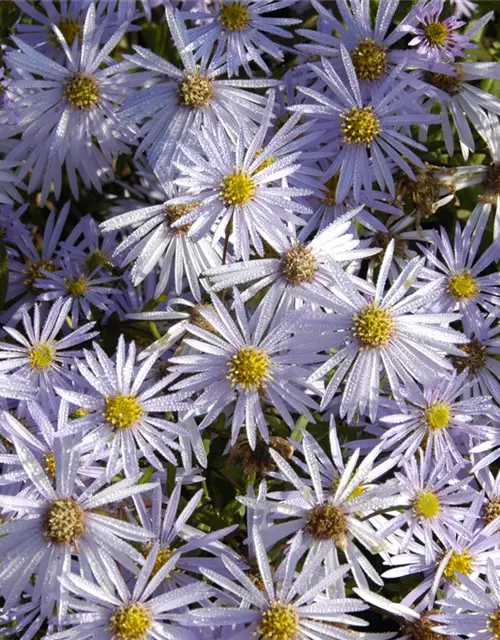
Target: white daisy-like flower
[301,270]
[245,365]
[291,604]
[128,612]
[68,111]
[185,99]
[238,31]
[39,354]
[122,403]
[42,532]
[385,331]
[154,241]
[239,187]
[334,518]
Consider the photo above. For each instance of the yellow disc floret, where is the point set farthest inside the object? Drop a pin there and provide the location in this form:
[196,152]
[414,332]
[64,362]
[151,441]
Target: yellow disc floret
[328,522]
[249,368]
[122,411]
[50,463]
[175,212]
[70,27]
[426,504]
[436,33]
[493,624]
[41,356]
[299,265]
[437,416]
[195,91]
[234,16]
[237,189]
[369,59]
[82,91]
[77,287]
[360,125]
[131,622]
[458,563]
[373,326]
[462,286]
[64,521]
[279,622]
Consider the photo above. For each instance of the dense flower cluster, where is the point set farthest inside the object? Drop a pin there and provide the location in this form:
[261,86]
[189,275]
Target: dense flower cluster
[250,307]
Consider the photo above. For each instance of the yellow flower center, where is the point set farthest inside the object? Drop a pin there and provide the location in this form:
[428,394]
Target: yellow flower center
[437,416]
[475,358]
[234,16]
[33,271]
[265,163]
[360,125]
[64,521]
[237,189]
[373,326]
[458,563]
[328,522]
[71,29]
[82,91]
[195,91]
[462,286]
[249,368]
[422,629]
[77,287]
[329,196]
[369,59]
[131,622]
[279,622]
[122,411]
[358,491]
[298,265]
[491,510]
[79,413]
[196,318]
[492,181]
[493,624]
[164,555]
[436,33]
[426,504]
[50,463]
[41,356]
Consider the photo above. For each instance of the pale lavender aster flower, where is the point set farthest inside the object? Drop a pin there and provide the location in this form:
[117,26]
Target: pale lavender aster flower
[110,611]
[289,597]
[464,7]
[437,39]
[243,186]
[43,532]
[40,355]
[238,30]
[456,273]
[185,99]
[300,271]
[334,518]
[365,135]
[17,387]
[244,365]
[384,331]
[68,112]
[122,402]
[9,182]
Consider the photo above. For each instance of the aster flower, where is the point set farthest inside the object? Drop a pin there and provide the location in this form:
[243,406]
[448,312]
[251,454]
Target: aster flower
[438,418]
[155,241]
[185,99]
[437,39]
[238,187]
[83,290]
[430,496]
[123,611]
[245,363]
[9,182]
[239,31]
[385,331]
[301,269]
[168,525]
[456,273]
[329,519]
[122,403]
[472,610]
[40,355]
[464,7]
[365,134]
[17,387]
[43,532]
[288,605]
[68,112]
